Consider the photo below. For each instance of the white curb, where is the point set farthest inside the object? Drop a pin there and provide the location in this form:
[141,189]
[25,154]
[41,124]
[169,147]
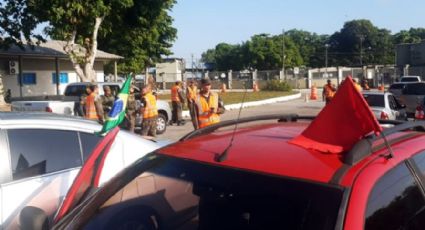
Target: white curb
[186,113]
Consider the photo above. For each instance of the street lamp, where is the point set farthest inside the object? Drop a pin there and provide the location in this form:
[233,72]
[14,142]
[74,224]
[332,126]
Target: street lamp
[326,59]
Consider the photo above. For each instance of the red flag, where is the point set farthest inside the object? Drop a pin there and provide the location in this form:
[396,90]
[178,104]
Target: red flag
[341,123]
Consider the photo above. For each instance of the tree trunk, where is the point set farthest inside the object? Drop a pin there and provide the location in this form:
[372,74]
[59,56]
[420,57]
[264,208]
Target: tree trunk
[2,102]
[83,63]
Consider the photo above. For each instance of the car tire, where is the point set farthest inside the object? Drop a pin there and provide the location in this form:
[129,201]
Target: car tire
[161,123]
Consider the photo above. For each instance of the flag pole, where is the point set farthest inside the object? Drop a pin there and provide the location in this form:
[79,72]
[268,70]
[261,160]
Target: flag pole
[391,153]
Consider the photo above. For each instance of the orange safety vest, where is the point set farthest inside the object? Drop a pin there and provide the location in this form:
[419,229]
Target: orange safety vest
[150,109]
[191,92]
[91,107]
[358,87]
[175,93]
[205,117]
[329,93]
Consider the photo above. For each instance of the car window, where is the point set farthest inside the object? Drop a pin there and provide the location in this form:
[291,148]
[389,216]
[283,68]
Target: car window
[414,89]
[88,142]
[75,90]
[115,89]
[38,151]
[188,195]
[409,79]
[375,100]
[396,202]
[391,101]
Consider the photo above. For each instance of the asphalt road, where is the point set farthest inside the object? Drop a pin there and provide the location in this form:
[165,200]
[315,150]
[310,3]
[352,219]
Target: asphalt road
[298,106]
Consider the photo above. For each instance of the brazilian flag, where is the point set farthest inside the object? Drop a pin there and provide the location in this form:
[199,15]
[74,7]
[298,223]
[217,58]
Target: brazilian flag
[117,113]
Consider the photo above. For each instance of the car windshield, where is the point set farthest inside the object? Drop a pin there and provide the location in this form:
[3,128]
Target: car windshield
[375,100]
[397,86]
[414,89]
[75,90]
[182,194]
[409,79]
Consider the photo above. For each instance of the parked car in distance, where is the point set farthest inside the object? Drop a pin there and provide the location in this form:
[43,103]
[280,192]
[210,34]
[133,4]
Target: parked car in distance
[41,153]
[397,88]
[385,105]
[412,95]
[410,79]
[265,182]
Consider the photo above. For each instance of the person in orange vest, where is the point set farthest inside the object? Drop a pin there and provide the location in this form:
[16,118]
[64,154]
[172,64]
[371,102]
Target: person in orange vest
[149,111]
[177,102]
[209,105]
[358,87]
[93,104]
[328,91]
[191,92]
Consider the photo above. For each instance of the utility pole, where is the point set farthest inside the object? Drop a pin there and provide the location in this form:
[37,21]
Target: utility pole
[326,59]
[361,49]
[283,53]
[193,74]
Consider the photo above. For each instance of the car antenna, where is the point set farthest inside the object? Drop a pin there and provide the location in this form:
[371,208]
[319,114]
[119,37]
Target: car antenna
[223,156]
[390,153]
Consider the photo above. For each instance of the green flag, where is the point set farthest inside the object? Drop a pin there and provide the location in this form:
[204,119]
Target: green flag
[117,113]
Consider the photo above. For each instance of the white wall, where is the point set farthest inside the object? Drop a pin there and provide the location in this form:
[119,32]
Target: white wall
[43,68]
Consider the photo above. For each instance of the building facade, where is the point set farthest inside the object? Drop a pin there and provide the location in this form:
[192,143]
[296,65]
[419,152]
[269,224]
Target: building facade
[44,69]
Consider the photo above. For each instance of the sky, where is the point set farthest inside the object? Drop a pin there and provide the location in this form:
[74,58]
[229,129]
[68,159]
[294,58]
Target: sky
[202,24]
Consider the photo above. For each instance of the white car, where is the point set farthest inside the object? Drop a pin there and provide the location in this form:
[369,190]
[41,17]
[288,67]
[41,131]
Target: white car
[385,105]
[41,153]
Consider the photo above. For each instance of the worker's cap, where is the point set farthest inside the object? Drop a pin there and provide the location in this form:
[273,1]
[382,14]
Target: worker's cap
[205,81]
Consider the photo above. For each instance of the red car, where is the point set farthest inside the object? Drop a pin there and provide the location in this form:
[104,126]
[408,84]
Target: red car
[260,181]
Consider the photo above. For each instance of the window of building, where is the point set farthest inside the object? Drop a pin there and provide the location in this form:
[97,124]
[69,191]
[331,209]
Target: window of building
[29,79]
[39,151]
[396,202]
[63,78]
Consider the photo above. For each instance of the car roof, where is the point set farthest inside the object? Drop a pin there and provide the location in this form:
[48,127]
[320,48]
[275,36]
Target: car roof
[56,120]
[375,93]
[265,149]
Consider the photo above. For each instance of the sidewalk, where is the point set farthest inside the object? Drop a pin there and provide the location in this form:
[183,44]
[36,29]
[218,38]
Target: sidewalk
[186,113]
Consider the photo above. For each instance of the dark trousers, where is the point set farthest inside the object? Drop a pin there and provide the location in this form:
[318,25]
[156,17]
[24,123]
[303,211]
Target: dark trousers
[193,115]
[177,112]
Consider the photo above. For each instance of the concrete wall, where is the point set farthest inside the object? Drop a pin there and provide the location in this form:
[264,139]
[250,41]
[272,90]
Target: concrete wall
[168,72]
[43,68]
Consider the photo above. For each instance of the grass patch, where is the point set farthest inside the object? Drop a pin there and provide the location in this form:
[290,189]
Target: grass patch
[236,97]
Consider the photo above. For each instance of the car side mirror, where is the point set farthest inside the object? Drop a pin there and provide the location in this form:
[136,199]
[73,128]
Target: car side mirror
[33,218]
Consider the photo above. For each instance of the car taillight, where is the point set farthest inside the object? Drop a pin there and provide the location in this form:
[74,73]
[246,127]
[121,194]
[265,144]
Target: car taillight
[419,114]
[384,116]
[48,109]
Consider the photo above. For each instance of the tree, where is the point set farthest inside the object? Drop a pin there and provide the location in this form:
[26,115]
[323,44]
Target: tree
[413,35]
[80,23]
[146,30]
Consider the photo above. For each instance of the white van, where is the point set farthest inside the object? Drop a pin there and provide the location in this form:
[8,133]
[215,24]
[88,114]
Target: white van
[410,79]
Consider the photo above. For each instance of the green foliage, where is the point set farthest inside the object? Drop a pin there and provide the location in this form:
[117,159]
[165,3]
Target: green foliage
[141,34]
[276,85]
[139,30]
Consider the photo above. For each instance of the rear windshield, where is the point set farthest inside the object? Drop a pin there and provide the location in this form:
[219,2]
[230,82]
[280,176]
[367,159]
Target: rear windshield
[377,100]
[75,90]
[397,86]
[414,89]
[409,79]
[181,194]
